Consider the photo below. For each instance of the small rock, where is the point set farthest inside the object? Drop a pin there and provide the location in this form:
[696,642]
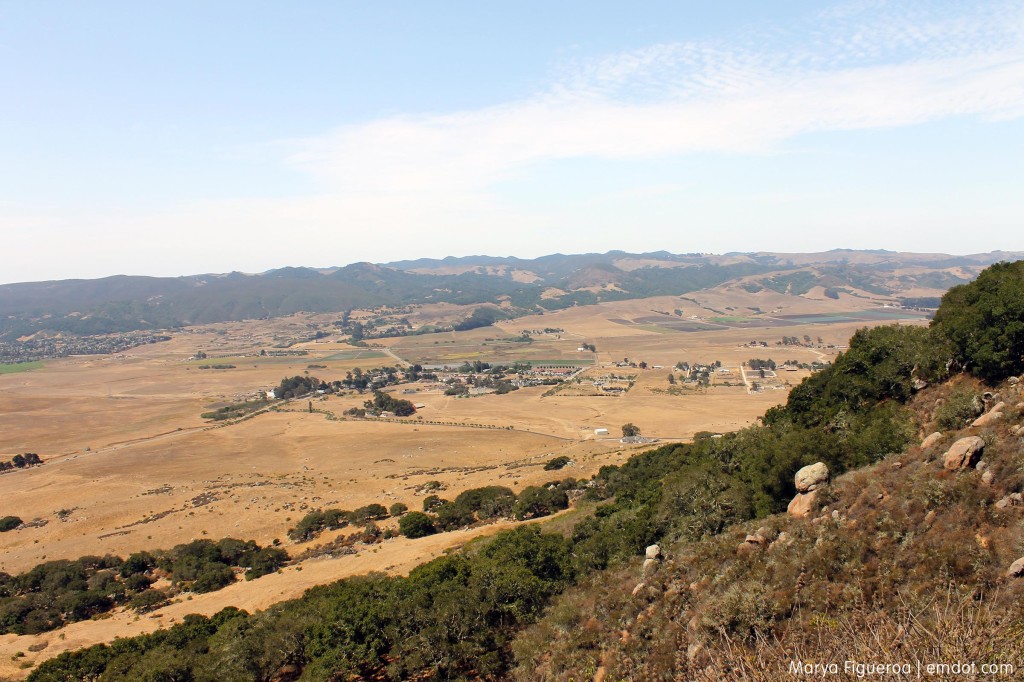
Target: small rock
[745,548]
[694,651]
[653,552]
[1016,569]
[988,477]
[812,477]
[650,565]
[931,440]
[639,587]
[783,539]
[981,465]
[963,453]
[803,505]
[756,539]
[1018,430]
[988,418]
[1013,381]
[1019,407]
[897,465]
[929,518]
[1011,500]
[836,516]
[919,384]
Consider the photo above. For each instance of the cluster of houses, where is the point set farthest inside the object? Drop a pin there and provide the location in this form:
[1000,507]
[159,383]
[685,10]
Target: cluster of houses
[64,346]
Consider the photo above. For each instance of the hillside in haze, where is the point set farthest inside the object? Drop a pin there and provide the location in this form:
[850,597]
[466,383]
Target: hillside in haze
[521,286]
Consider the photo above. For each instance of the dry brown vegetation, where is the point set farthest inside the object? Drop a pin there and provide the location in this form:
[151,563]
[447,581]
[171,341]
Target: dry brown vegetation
[131,465]
[905,563]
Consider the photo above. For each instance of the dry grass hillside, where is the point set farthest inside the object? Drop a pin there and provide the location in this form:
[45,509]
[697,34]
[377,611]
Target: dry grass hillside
[910,561]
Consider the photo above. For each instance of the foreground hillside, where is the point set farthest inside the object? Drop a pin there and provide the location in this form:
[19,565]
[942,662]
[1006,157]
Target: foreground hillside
[916,559]
[914,542]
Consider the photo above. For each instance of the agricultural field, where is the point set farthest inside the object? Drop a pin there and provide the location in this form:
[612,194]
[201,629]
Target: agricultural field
[129,463]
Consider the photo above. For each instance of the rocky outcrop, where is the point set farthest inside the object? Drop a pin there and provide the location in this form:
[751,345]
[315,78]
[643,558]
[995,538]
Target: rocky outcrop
[964,453]
[803,505]
[752,543]
[812,477]
[931,440]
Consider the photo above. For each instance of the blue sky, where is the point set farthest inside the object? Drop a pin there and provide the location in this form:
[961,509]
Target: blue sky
[207,137]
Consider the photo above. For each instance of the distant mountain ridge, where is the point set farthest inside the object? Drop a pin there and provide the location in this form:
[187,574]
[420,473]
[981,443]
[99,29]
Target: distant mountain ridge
[126,303]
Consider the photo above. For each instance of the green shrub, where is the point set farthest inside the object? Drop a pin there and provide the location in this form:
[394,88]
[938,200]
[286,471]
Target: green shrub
[557,463]
[961,407]
[9,523]
[416,525]
[536,501]
[984,322]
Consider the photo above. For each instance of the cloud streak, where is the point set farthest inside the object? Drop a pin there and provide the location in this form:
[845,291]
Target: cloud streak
[857,67]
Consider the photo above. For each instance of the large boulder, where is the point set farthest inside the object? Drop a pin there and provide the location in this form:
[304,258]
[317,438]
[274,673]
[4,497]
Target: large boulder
[988,418]
[803,505]
[964,453]
[931,440]
[812,477]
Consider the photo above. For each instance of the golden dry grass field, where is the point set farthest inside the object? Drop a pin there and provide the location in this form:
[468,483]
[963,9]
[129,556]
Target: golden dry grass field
[133,464]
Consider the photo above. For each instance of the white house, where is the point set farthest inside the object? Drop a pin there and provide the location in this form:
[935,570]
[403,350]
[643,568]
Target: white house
[600,432]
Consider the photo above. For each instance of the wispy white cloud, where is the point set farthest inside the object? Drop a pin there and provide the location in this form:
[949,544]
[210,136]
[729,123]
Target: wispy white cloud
[433,183]
[862,65]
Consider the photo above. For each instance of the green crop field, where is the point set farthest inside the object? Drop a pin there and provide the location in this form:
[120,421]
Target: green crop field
[355,355]
[16,367]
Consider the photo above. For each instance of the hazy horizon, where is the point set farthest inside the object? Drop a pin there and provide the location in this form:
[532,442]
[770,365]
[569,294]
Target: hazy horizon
[197,138]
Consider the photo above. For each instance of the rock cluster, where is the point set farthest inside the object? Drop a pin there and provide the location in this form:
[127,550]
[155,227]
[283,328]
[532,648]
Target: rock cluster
[808,481]
[652,556]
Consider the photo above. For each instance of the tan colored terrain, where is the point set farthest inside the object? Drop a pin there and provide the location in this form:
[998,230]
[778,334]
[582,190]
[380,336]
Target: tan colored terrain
[129,457]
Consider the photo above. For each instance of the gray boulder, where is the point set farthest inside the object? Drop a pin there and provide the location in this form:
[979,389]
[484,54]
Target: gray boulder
[812,477]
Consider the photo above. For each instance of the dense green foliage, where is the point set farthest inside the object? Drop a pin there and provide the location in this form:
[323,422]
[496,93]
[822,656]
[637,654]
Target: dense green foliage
[557,463]
[384,402]
[59,592]
[317,521]
[416,525]
[984,322]
[9,523]
[296,386]
[28,459]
